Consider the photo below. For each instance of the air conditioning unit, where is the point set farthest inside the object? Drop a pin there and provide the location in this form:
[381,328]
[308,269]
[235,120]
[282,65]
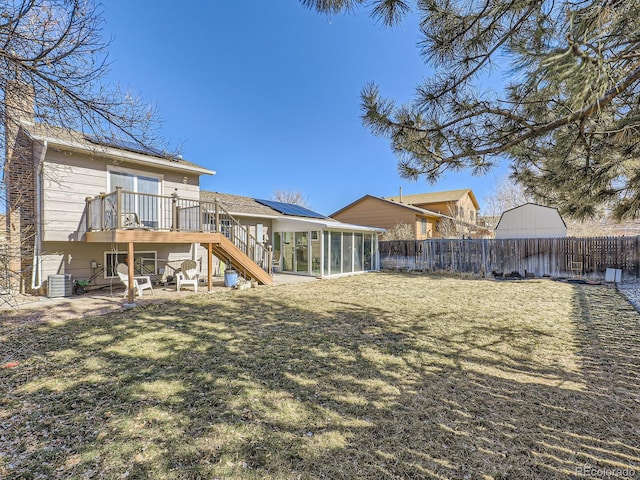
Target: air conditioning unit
[59,286]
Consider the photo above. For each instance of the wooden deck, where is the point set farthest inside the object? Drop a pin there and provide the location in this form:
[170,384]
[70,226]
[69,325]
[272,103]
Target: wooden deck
[132,217]
[152,236]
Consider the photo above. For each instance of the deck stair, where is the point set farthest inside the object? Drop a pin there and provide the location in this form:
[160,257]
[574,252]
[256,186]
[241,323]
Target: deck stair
[228,252]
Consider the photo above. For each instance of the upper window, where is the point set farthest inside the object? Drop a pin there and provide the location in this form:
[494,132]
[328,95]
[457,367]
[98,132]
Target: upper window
[141,204]
[134,182]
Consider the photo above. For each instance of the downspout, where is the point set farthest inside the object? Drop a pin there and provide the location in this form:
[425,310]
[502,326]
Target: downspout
[36,271]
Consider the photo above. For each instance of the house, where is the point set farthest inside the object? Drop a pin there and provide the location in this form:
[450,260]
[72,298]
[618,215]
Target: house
[531,221]
[386,214]
[458,204]
[430,215]
[302,241]
[80,205]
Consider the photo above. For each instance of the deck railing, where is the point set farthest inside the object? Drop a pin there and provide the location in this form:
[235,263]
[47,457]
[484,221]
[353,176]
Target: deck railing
[123,209]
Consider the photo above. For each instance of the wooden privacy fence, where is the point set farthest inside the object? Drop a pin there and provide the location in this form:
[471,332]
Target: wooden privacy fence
[557,257]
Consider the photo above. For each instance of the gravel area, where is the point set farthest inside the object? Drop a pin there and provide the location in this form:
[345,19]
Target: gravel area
[631,290]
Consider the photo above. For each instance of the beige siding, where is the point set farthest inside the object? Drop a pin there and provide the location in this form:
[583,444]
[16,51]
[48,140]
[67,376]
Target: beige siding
[75,258]
[444,208]
[467,210]
[253,222]
[463,209]
[372,212]
[379,213]
[430,230]
[69,178]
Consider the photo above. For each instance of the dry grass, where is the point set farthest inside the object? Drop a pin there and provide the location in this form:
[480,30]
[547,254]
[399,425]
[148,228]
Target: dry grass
[373,376]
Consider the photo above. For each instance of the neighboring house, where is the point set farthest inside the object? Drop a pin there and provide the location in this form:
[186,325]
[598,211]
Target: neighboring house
[430,215]
[531,221]
[459,204]
[80,205]
[303,242]
[383,213]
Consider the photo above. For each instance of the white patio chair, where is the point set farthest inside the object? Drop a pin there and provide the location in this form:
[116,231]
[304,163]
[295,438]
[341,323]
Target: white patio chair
[188,275]
[140,282]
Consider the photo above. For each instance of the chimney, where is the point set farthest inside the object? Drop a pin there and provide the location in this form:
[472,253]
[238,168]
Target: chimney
[19,108]
[19,178]
[400,194]
[19,100]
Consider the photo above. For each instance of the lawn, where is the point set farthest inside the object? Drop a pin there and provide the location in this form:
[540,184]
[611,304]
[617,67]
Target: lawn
[374,376]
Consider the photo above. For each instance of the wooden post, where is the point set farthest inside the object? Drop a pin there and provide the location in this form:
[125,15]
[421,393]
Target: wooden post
[270,259]
[210,266]
[174,213]
[88,210]
[102,225]
[131,272]
[118,208]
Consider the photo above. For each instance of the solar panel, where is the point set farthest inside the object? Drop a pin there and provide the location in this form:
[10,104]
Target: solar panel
[125,145]
[290,209]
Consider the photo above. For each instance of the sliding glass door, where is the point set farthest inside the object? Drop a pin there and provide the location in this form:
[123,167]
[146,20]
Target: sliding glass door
[140,207]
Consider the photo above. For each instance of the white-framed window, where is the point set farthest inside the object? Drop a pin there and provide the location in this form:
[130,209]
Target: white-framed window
[145,263]
[423,226]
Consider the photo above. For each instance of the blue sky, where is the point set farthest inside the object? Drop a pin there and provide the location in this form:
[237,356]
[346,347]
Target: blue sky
[267,93]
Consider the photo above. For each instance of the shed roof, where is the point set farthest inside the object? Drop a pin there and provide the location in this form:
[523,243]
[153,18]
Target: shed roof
[527,205]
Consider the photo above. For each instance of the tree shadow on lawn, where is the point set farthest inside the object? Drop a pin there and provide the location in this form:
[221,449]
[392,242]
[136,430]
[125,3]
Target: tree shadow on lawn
[244,386]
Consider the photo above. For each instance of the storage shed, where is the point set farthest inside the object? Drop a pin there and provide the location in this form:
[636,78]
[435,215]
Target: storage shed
[531,221]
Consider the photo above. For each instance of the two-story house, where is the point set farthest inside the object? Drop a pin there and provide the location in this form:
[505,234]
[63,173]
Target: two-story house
[458,204]
[387,214]
[445,214]
[80,205]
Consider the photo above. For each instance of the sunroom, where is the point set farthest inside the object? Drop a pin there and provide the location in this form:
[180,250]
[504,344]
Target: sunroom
[323,247]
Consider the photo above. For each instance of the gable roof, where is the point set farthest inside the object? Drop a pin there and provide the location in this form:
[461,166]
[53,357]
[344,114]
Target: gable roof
[419,210]
[436,197]
[70,140]
[238,204]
